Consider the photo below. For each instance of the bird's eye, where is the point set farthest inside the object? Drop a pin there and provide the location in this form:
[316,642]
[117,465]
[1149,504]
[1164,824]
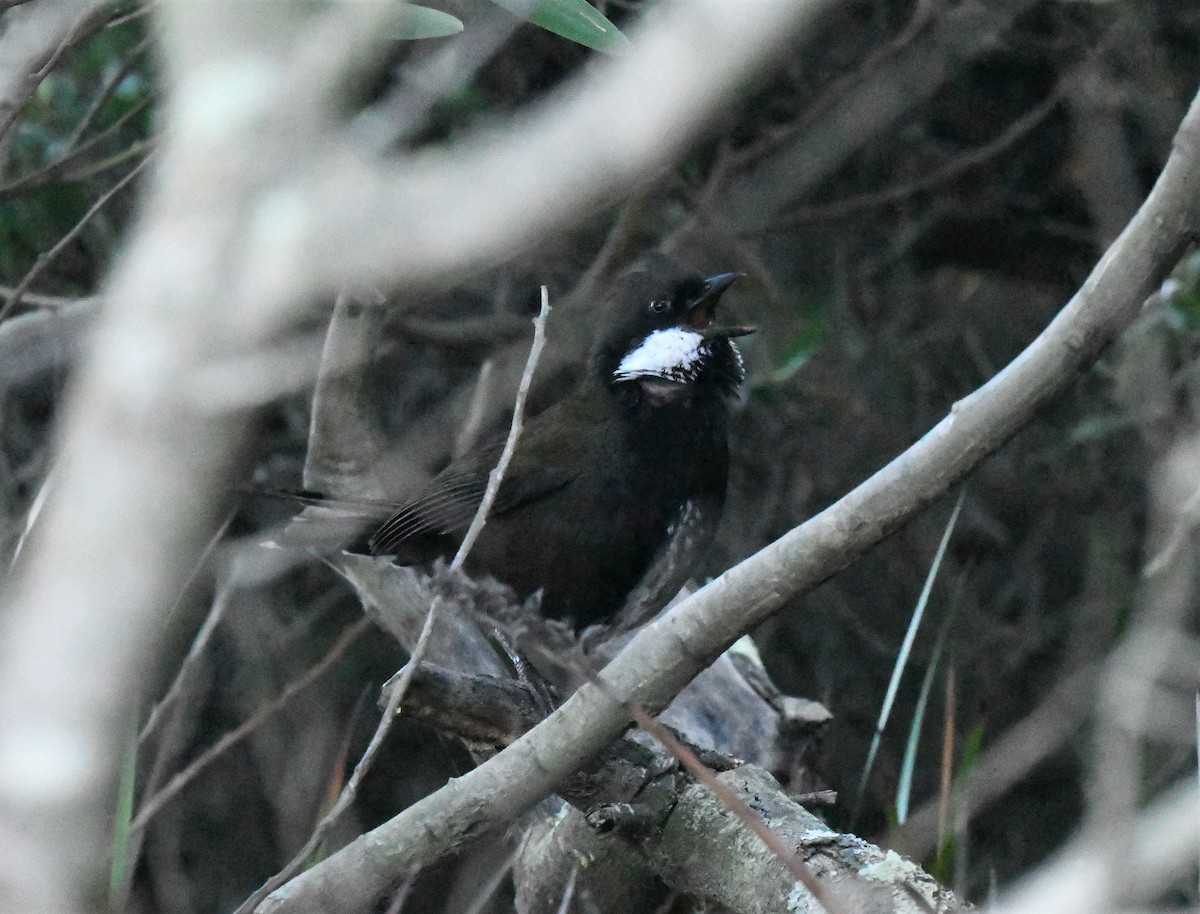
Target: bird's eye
[658,306]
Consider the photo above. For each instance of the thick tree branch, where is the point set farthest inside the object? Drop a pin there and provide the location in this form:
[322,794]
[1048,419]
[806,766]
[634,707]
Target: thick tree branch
[695,54]
[664,656]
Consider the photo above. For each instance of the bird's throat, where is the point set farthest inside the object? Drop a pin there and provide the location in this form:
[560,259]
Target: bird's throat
[661,391]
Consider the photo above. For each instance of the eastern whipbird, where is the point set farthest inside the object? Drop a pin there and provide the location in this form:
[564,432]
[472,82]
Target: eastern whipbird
[619,484]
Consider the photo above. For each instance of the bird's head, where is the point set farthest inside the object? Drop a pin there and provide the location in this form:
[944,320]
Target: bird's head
[661,334]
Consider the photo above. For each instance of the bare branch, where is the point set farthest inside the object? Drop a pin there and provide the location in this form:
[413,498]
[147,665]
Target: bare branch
[44,260]
[153,804]
[398,686]
[695,53]
[510,443]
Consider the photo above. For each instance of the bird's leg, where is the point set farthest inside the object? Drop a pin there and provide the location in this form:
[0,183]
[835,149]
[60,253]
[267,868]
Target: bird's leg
[527,674]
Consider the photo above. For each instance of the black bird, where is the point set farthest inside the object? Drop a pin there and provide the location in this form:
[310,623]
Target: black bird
[621,482]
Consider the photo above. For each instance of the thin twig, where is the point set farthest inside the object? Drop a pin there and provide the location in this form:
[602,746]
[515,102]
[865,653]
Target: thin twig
[47,258]
[350,791]
[57,171]
[44,302]
[35,510]
[106,93]
[955,168]
[401,895]
[488,889]
[569,890]
[403,679]
[514,432]
[199,643]
[834,95]
[948,738]
[91,169]
[166,715]
[469,434]
[233,737]
[144,10]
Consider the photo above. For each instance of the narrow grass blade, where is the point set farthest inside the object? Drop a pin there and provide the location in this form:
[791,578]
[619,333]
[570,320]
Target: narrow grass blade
[121,824]
[908,766]
[905,650]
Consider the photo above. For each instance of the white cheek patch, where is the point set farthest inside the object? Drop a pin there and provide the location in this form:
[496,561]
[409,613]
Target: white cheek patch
[672,354]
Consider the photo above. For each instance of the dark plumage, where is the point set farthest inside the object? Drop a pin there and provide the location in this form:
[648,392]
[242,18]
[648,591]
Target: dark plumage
[601,483]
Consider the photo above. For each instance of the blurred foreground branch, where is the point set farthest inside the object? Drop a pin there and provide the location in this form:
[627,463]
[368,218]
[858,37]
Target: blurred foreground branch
[263,204]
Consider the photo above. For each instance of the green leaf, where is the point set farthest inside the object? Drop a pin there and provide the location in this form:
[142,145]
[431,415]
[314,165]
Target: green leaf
[121,822]
[424,22]
[972,748]
[576,20]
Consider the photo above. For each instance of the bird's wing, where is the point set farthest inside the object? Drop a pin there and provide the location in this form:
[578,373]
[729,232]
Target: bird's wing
[447,505]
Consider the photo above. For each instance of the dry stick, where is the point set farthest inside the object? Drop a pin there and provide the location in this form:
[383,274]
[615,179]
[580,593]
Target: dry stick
[514,432]
[91,169]
[45,302]
[956,167]
[401,895]
[199,643]
[404,678]
[470,431]
[786,854]
[46,259]
[483,895]
[569,891]
[54,170]
[106,93]
[235,736]
[662,658]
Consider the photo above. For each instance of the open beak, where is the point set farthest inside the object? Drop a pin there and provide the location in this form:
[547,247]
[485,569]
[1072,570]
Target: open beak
[702,313]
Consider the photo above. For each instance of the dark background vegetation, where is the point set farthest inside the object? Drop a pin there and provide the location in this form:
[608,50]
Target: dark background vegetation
[932,257]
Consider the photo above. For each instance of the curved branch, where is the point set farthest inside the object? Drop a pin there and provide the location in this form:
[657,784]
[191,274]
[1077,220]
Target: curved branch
[527,182]
[664,656]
